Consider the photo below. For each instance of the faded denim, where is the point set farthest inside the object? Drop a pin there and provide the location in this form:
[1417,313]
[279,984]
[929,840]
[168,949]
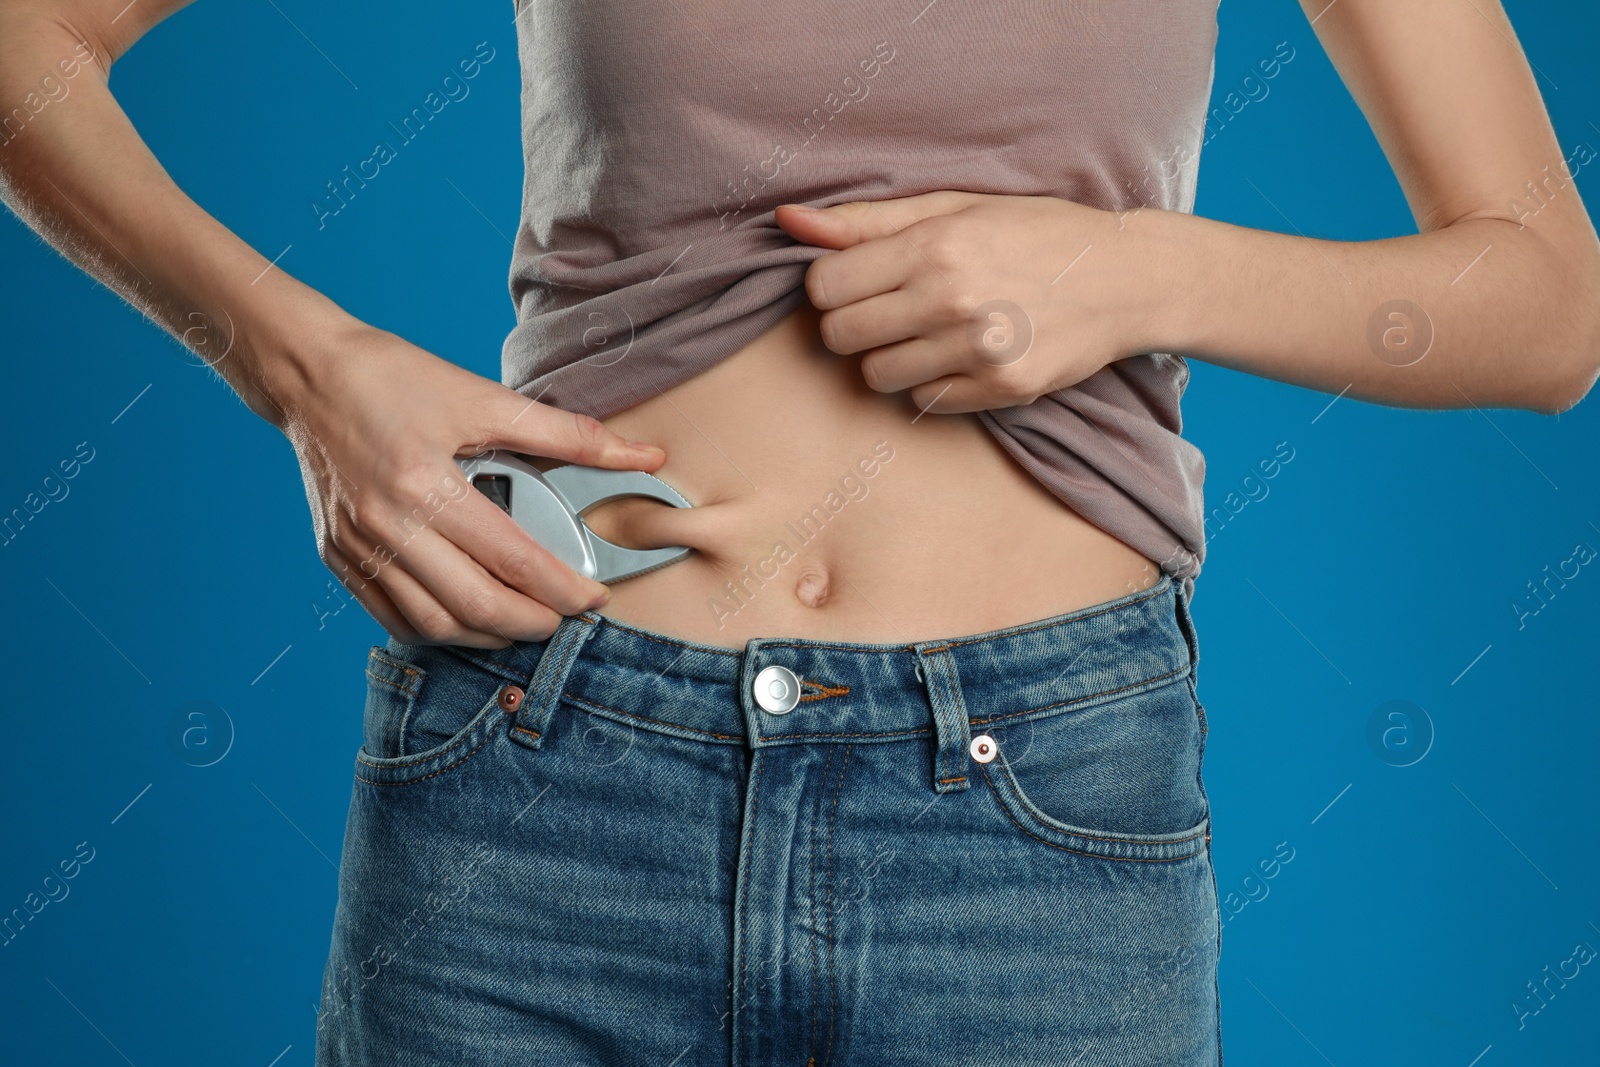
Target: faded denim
[636,864]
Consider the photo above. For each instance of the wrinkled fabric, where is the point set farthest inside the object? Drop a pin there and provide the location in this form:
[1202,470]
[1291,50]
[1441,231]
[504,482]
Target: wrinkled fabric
[659,137]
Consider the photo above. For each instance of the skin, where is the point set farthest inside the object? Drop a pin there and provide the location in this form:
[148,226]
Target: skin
[951,536]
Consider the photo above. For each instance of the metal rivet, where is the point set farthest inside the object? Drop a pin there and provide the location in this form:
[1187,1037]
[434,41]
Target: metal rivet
[510,697]
[983,748]
[777,689]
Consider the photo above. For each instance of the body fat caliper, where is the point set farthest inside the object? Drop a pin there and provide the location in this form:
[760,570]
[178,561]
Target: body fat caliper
[550,504]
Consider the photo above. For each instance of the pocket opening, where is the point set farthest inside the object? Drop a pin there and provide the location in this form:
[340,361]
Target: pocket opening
[425,713]
[1120,780]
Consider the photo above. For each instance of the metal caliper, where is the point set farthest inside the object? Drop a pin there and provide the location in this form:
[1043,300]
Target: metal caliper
[550,504]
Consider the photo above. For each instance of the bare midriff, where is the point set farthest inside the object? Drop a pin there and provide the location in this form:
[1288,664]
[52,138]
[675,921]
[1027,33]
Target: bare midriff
[826,510]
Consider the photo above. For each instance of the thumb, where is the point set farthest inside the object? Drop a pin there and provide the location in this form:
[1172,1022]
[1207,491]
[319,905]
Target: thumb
[516,423]
[848,224]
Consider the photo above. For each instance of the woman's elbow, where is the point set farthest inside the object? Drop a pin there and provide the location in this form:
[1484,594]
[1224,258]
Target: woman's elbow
[1573,349]
[1559,401]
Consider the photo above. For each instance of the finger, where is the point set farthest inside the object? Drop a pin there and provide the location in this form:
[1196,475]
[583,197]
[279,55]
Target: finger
[876,267]
[514,422]
[910,363]
[474,597]
[479,597]
[639,522]
[876,321]
[370,595]
[428,617]
[852,222]
[410,612]
[478,527]
[953,394]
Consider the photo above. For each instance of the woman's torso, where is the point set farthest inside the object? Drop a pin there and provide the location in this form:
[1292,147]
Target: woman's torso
[653,285]
[827,510]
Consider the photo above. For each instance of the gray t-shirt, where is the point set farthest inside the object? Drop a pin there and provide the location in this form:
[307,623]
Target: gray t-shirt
[659,136]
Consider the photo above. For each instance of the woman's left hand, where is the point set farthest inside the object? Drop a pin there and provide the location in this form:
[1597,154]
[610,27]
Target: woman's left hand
[976,301]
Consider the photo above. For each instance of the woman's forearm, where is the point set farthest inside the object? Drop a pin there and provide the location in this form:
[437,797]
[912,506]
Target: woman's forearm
[74,169]
[1484,312]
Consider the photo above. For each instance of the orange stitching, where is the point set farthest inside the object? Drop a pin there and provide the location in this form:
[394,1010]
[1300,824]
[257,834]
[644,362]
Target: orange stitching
[424,758]
[488,664]
[561,669]
[1006,811]
[920,731]
[396,686]
[952,689]
[1114,840]
[524,730]
[827,690]
[662,641]
[1080,852]
[744,883]
[816,816]
[383,654]
[1076,700]
[645,718]
[412,674]
[441,770]
[957,778]
[832,936]
[391,660]
[1063,622]
[543,696]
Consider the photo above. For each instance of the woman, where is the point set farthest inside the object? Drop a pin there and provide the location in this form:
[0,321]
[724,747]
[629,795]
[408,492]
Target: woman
[903,761]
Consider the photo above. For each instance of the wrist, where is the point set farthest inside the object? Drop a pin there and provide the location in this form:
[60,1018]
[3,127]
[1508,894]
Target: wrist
[1169,281]
[282,336]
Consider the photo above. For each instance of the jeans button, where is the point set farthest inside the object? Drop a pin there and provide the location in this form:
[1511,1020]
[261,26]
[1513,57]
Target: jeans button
[510,697]
[777,689]
[983,748]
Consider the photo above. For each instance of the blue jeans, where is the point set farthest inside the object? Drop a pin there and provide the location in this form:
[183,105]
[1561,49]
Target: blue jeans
[604,848]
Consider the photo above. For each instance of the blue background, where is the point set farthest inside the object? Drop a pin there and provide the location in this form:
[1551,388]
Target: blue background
[1380,567]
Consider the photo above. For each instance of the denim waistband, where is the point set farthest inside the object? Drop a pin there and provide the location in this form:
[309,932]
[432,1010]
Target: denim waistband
[853,691]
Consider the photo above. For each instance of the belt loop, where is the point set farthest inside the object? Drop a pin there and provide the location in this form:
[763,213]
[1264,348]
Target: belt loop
[549,678]
[937,669]
[1182,593]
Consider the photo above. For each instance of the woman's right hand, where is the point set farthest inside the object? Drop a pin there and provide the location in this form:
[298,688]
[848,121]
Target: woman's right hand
[377,424]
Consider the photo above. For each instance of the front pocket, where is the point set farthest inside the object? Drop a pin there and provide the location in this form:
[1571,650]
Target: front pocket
[427,710]
[392,689]
[1120,780]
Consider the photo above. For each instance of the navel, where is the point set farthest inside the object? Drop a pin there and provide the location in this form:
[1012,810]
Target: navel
[812,587]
